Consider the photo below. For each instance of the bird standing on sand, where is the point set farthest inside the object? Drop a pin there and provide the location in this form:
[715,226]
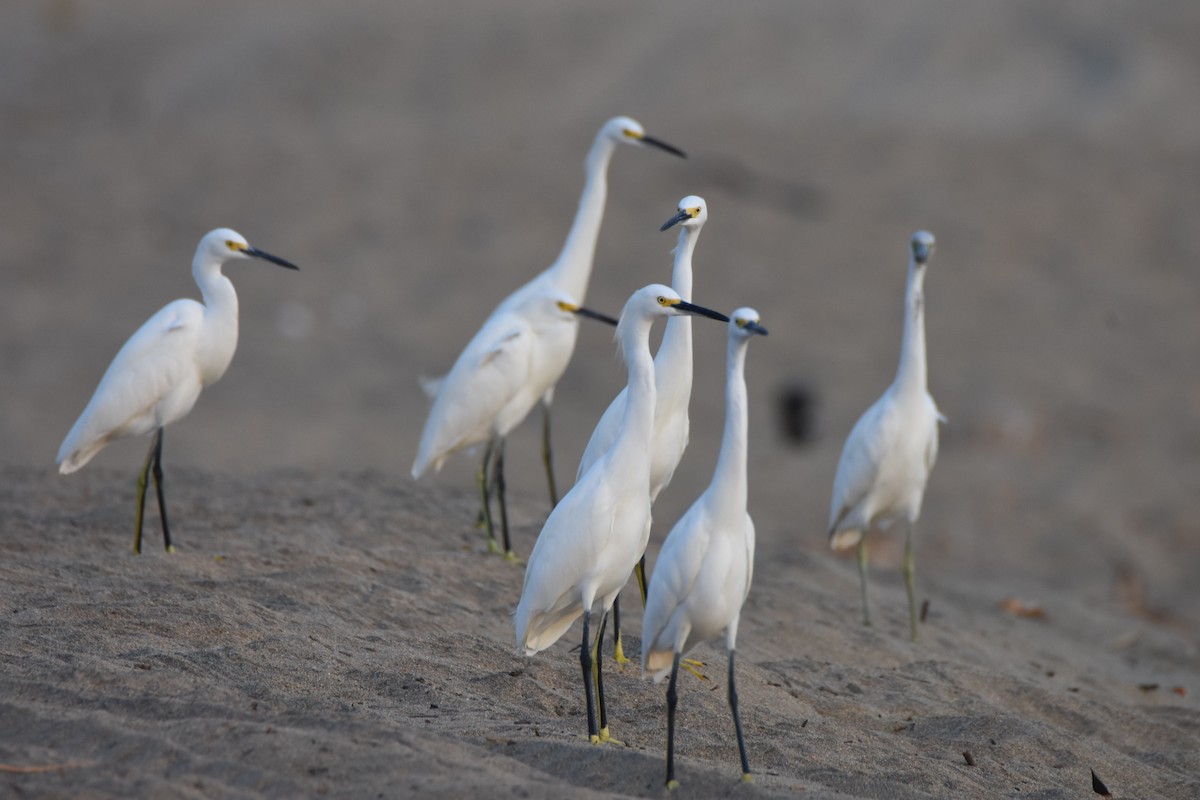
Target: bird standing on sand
[892,448]
[450,427]
[502,374]
[673,385]
[703,572]
[597,533]
[158,374]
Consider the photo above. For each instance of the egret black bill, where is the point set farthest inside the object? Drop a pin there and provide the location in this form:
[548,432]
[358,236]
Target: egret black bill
[596,315]
[691,308]
[661,145]
[587,312]
[675,220]
[265,256]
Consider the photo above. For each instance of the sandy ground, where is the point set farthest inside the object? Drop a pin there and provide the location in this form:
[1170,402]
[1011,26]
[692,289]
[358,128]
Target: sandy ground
[330,627]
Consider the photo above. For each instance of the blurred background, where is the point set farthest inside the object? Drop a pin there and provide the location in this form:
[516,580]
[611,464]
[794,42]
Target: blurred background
[419,160]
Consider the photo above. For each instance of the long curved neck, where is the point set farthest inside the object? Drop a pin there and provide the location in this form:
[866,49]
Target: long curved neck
[220,316]
[573,267]
[637,431]
[673,362]
[681,275]
[729,479]
[910,374]
[220,299]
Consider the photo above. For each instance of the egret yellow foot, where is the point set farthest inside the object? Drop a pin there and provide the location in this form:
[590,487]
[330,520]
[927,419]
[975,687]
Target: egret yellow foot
[606,737]
[594,739]
[619,655]
[672,785]
[171,549]
[693,666]
[494,547]
[512,558]
[747,777]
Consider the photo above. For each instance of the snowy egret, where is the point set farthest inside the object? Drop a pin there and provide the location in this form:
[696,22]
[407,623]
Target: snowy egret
[891,449]
[158,374]
[596,534]
[497,380]
[703,572]
[673,384]
[449,429]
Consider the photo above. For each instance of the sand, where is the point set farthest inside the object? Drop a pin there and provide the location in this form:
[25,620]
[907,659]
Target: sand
[330,627]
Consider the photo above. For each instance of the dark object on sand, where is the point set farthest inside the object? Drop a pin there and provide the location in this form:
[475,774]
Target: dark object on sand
[797,409]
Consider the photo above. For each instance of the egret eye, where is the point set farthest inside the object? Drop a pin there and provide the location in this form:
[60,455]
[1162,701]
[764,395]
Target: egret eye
[232,245]
[662,301]
[742,322]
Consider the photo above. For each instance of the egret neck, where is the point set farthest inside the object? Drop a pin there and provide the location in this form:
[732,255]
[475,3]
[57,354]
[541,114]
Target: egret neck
[910,375]
[729,479]
[573,267]
[636,433]
[220,317]
[673,363]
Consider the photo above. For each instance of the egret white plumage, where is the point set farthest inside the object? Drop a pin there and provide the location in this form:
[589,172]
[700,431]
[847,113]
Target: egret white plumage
[673,384]
[499,377]
[157,375]
[450,428]
[887,458]
[703,572]
[596,534]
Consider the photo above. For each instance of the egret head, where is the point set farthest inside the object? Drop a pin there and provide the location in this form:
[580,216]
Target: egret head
[693,213]
[657,300]
[922,246]
[625,130]
[744,323]
[224,244]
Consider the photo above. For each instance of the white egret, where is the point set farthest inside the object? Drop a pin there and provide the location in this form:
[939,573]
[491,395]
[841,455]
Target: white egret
[673,384]
[498,378]
[704,569]
[890,451]
[596,534]
[157,375]
[449,427]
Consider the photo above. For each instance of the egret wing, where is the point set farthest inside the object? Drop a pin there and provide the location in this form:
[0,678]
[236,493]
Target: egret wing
[156,363]
[858,466]
[675,573]
[486,376]
[563,560]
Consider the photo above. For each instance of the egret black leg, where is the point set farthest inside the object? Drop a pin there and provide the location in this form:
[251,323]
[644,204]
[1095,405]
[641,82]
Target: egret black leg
[910,571]
[143,479]
[547,457]
[485,496]
[640,572]
[158,490]
[585,661]
[672,698]
[500,488]
[737,722]
[618,649]
[604,734]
